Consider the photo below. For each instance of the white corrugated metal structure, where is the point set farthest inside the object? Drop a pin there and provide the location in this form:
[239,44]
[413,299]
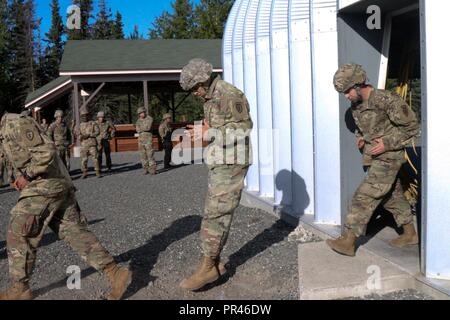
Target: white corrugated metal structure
[283,54]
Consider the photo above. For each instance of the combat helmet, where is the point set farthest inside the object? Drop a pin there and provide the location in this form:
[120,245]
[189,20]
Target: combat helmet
[167,116]
[101,114]
[348,76]
[59,113]
[195,72]
[142,110]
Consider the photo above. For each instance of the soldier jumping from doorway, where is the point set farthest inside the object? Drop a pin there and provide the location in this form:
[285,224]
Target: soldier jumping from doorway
[385,126]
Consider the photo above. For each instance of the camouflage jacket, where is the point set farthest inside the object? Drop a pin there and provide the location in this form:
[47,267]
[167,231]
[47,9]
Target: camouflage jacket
[385,115]
[144,129]
[164,130]
[32,154]
[59,133]
[107,131]
[227,112]
[88,133]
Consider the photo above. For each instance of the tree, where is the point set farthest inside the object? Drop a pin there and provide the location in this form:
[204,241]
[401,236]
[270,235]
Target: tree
[21,49]
[178,25]
[55,44]
[135,35]
[85,31]
[102,28]
[211,17]
[4,65]
[117,30]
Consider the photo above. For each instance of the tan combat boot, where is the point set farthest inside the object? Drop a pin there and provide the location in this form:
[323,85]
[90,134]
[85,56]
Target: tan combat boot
[152,171]
[206,273]
[345,244]
[409,237]
[120,278]
[18,291]
[84,176]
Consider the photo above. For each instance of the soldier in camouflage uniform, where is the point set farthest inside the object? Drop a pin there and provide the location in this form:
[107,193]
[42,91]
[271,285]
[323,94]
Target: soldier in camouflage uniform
[47,198]
[165,132]
[88,134]
[144,129]
[59,133]
[386,125]
[227,116]
[44,124]
[107,132]
[5,165]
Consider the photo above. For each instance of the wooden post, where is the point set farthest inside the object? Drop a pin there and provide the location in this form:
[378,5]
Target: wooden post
[173,106]
[129,109]
[146,95]
[76,111]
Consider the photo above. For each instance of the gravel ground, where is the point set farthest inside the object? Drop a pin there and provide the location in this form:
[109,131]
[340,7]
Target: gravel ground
[409,294]
[151,223]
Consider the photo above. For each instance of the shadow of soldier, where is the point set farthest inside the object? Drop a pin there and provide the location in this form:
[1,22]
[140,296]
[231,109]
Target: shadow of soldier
[290,209]
[143,259]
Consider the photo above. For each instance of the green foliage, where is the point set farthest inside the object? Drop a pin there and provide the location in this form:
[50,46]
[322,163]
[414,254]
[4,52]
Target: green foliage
[117,28]
[4,66]
[415,96]
[103,26]
[210,18]
[85,32]
[178,25]
[136,35]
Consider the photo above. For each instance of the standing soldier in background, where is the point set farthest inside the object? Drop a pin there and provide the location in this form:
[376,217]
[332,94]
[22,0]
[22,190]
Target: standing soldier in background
[44,124]
[227,112]
[88,135]
[165,132]
[5,165]
[107,132]
[47,198]
[386,125]
[144,129]
[59,133]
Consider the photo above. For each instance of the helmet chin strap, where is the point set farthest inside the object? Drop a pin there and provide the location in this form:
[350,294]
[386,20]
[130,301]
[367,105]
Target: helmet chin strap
[358,92]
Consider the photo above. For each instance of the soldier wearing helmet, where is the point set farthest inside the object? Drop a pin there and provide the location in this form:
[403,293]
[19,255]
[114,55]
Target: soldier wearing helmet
[59,133]
[88,134]
[228,124]
[107,132]
[386,125]
[144,129]
[165,132]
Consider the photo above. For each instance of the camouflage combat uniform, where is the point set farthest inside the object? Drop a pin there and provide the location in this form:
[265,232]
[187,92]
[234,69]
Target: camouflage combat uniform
[165,132]
[143,128]
[385,115]
[88,134]
[59,133]
[226,108]
[5,165]
[48,200]
[107,131]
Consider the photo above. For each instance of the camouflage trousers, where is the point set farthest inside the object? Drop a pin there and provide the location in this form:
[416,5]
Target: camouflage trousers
[147,156]
[380,187]
[87,152]
[105,148]
[29,219]
[64,154]
[225,185]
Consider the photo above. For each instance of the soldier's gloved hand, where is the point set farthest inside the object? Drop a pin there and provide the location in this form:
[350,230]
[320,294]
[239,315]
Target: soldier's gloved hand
[20,183]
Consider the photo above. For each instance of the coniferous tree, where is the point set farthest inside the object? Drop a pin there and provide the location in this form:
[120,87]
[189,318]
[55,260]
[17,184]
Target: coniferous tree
[211,17]
[102,28]
[136,35]
[55,44]
[178,25]
[117,31]
[4,58]
[85,31]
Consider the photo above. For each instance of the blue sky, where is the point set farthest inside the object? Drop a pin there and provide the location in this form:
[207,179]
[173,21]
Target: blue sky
[134,12]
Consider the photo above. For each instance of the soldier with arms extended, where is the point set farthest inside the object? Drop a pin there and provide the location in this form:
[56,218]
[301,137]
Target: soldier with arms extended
[144,130]
[88,134]
[386,125]
[47,198]
[107,132]
[227,113]
[59,133]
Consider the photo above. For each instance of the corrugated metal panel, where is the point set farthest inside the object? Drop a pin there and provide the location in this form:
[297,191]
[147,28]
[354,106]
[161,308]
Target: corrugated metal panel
[264,97]
[301,108]
[238,64]
[228,43]
[250,88]
[281,111]
[326,112]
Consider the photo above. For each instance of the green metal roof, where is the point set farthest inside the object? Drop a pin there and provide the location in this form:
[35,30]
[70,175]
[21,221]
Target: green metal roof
[47,88]
[133,55]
